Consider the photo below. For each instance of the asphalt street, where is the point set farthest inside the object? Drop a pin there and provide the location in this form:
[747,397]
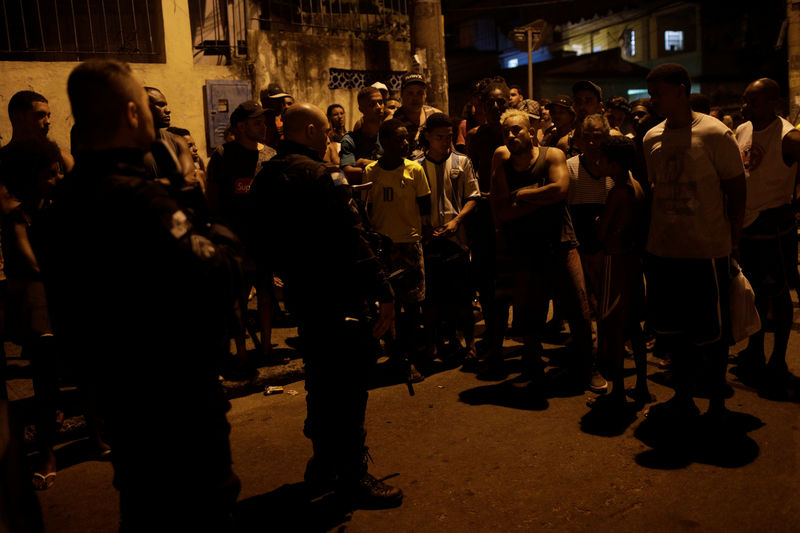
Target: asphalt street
[471,455]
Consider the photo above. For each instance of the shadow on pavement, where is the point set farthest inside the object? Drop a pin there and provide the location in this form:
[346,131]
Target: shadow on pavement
[518,393]
[605,421]
[702,383]
[388,373]
[677,443]
[76,452]
[258,359]
[288,508]
[510,393]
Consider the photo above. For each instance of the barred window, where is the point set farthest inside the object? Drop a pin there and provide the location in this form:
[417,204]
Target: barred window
[370,19]
[74,30]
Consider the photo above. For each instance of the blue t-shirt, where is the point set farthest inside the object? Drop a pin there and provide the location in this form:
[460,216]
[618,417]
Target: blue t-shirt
[356,146]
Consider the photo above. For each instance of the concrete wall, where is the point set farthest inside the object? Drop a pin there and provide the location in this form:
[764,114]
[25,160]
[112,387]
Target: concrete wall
[179,78]
[299,63]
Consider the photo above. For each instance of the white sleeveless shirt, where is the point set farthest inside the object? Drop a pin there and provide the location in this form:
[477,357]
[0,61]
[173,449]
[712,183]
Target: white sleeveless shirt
[770,183]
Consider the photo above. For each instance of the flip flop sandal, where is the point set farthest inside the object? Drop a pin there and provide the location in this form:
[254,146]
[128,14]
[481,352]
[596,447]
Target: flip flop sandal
[45,481]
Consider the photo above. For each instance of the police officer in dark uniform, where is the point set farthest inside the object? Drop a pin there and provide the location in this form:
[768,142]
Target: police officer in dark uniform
[310,235]
[139,299]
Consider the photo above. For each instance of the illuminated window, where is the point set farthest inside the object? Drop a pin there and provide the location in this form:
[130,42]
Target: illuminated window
[673,41]
[511,63]
[630,43]
[597,48]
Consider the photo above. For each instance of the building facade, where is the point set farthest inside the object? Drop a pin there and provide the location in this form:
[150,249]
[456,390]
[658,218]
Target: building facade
[321,52]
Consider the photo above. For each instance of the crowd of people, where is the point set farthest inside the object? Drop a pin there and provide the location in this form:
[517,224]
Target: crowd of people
[133,258]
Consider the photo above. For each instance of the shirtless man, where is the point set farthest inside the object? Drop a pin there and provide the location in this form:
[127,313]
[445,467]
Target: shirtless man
[528,193]
[482,141]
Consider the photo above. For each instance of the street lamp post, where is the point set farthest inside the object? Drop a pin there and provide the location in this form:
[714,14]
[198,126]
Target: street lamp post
[529,38]
[530,63]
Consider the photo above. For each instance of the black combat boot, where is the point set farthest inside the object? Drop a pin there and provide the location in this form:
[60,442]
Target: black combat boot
[365,491]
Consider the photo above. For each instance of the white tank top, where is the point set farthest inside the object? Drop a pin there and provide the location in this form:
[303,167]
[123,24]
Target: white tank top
[770,183]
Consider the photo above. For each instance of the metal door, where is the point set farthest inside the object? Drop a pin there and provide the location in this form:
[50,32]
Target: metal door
[222,97]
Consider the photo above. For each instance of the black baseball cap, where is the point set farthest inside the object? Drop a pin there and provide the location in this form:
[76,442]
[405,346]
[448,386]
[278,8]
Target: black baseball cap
[412,77]
[275,91]
[562,100]
[586,85]
[245,110]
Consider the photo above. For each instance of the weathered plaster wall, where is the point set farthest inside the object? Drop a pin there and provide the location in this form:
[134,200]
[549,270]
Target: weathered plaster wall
[299,63]
[179,78]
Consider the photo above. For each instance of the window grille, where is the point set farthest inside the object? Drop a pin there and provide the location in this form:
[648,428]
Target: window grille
[74,30]
[219,27]
[366,19]
[340,78]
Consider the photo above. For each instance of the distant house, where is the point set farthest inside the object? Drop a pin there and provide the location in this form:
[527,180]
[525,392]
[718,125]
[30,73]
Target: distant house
[723,47]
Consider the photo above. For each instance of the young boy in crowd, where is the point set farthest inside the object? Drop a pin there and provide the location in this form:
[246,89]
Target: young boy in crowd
[618,232]
[399,206]
[454,195]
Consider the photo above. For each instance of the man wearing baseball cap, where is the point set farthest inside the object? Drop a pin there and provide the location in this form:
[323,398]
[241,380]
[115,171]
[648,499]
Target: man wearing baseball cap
[414,112]
[587,98]
[231,170]
[563,117]
[276,99]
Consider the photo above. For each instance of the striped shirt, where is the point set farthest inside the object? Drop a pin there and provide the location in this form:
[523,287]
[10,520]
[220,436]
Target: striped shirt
[585,188]
[586,199]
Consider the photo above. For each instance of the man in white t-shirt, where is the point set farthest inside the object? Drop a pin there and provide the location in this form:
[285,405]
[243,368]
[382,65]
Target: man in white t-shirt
[698,204]
[770,149]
